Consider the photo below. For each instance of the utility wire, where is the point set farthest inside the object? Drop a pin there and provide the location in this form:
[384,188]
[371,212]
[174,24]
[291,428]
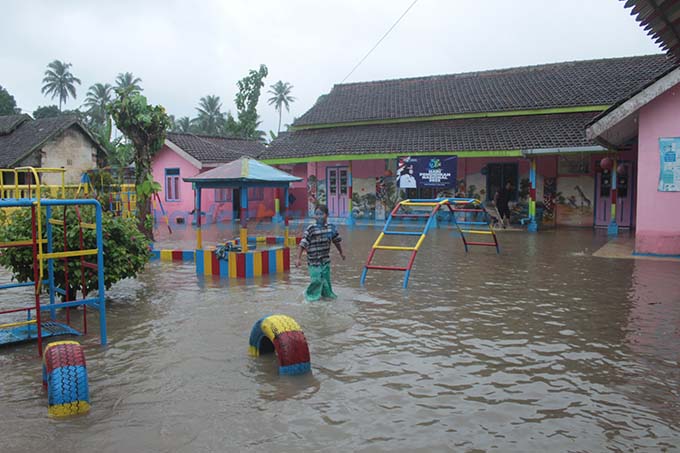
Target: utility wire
[380,40]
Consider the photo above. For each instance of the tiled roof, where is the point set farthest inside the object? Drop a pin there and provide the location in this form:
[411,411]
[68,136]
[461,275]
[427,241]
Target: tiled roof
[661,20]
[26,135]
[212,150]
[10,122]
[578,83]
[479,134]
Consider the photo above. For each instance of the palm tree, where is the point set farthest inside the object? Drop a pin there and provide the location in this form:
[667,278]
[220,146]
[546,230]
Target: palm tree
[59,82]
[210,118]
[282,97]
[97,99]
[128,83]
[184,125]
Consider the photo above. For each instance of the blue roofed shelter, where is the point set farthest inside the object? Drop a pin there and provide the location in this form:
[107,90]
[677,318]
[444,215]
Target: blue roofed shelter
[242,174]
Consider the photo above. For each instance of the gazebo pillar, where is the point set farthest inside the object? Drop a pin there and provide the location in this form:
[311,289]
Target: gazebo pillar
[244,218]
[197,218]
[285,216]
[277,206]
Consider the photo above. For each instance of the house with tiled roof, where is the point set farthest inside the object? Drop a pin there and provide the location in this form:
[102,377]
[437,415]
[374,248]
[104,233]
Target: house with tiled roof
[61,141]
[646,122]
[188,155]
[487,128]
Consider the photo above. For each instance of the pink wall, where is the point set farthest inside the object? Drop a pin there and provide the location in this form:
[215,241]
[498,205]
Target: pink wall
[658,216]
[166,158]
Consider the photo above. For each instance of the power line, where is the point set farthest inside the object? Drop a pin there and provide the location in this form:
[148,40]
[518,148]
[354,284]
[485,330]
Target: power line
[380,40]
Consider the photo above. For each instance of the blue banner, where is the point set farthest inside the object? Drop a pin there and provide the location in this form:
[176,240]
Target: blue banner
[427,171]
[669,179]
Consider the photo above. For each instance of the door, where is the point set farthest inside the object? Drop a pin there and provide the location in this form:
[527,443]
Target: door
[337,188]
[624,195]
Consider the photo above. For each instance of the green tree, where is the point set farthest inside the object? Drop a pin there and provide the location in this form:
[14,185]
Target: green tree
[183,125]
[59,81]
[8,105]
[127,82]
[210,118]
[247,97]
[97,101]
[47,111]
[281,98]
[126,250]
[144,125]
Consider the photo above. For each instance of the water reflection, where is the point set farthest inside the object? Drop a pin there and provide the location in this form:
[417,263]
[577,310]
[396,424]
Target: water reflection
[540,348]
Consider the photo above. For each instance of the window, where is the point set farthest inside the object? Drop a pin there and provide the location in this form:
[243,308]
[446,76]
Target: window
[256,193]
[222,195]
[172,184]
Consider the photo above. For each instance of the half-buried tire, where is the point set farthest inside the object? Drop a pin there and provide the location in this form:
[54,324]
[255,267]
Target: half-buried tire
[281,334]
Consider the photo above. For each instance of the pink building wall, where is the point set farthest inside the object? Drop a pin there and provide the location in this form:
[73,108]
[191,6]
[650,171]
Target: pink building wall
[658,213]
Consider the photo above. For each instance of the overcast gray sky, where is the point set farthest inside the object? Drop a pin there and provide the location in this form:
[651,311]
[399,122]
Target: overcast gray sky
[184,50]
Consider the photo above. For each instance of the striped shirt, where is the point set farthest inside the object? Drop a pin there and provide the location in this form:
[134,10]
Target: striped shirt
[316,240]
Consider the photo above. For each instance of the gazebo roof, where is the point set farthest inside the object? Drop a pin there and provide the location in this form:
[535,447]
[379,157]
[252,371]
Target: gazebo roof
[243,172]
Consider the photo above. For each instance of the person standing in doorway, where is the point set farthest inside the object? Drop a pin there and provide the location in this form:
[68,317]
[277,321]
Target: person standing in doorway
[316,241]
[502,198]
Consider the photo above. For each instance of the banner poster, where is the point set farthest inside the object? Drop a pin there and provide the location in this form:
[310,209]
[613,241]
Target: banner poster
[669,178]
[427,171]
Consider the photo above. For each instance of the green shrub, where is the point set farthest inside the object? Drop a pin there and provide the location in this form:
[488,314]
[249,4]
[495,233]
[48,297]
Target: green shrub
[126,250]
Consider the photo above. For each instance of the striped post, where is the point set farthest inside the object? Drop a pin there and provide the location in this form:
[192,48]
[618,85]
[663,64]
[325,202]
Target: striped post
[285,214]
[533,227]
[244,218]
[613,227]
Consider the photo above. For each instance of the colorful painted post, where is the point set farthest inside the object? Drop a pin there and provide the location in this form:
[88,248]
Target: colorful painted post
[244,218]
[285,215]
[277,206]
[613,227]
[350,218]
[197,219]
[533,226]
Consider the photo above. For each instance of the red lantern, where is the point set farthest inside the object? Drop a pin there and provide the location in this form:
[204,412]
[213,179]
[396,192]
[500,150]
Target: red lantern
[621,170]
[606,163]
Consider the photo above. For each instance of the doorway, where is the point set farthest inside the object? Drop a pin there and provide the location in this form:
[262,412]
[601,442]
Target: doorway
[337,189]
[236,203]
[498,175]
[624,195]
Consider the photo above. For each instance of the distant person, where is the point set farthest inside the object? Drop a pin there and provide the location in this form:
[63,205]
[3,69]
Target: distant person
[406,180]
[316,241]
[501,199]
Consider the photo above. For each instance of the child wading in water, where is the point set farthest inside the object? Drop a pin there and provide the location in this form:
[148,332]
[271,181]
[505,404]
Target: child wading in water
[316,241]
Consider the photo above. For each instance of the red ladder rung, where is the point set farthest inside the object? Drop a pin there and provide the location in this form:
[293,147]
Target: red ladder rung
[490,244]
[92,266]
[386,268]
[410,215]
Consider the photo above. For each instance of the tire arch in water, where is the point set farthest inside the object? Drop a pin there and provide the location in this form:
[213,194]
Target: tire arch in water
[281,334]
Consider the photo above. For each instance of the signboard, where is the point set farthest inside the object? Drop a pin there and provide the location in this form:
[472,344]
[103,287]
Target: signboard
[427,171]
[669,178]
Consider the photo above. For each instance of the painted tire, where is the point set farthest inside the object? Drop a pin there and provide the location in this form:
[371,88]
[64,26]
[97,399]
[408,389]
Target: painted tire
[281,334]
[65,376]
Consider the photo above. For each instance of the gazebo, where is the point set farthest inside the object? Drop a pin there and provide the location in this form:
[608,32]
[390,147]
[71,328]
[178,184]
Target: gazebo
[243,173]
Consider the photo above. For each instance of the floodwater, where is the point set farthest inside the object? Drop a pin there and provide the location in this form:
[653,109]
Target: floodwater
[540,348]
